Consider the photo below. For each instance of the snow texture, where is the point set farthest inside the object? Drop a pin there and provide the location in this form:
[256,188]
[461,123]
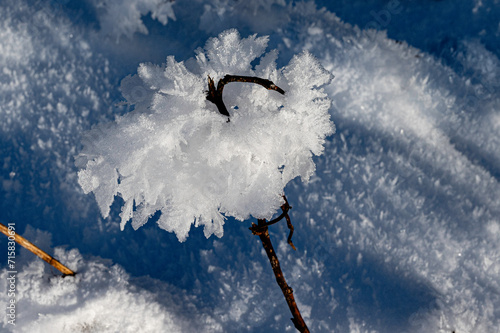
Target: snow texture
[176,154]
[398,229]
[52,82]
[100,298]
[117,19]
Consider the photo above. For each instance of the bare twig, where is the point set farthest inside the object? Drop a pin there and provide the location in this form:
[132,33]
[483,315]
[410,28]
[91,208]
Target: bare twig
[215,95]
[288,222]
[262,231]
[33,248]
[285,208]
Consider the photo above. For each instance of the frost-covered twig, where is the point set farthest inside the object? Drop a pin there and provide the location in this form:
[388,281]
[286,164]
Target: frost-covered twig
[262,231]
[215,95]
[33,248]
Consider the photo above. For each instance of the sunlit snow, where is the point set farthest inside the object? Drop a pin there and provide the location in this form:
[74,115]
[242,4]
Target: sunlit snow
[397,229]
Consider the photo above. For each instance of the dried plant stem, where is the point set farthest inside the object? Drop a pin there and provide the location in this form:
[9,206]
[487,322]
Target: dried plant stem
[215,95]
[262,231]
[33,248]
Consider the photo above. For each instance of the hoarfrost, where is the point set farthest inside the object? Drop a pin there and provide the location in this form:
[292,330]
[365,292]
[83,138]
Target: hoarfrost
[176,154]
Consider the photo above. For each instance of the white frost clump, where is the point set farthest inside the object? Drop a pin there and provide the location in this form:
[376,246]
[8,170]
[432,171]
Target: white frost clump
[175,153]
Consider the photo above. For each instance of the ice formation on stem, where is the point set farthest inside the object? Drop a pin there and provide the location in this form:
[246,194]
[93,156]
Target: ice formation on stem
[175,153]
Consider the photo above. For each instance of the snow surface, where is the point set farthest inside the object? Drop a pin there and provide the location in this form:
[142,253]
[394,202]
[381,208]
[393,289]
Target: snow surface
[398,230]
[117,19]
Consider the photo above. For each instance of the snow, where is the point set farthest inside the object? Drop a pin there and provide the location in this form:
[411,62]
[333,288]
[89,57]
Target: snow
[396,230]
[100,298]
[117,20]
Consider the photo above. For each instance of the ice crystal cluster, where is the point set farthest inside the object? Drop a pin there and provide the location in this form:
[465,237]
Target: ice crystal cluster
[175,153]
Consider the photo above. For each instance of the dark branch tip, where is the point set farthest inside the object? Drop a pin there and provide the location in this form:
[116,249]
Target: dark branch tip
[215,95]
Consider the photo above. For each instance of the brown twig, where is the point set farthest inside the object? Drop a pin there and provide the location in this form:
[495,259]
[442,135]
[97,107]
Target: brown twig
[285,208]
[262,231]
[288,223]
[215,95]
[33,248]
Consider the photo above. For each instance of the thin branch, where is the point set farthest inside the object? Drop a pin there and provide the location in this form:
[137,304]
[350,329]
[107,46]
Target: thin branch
[288,223]
[33,248]
[269,85]
[262,231]
[285,208]
[215,95]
